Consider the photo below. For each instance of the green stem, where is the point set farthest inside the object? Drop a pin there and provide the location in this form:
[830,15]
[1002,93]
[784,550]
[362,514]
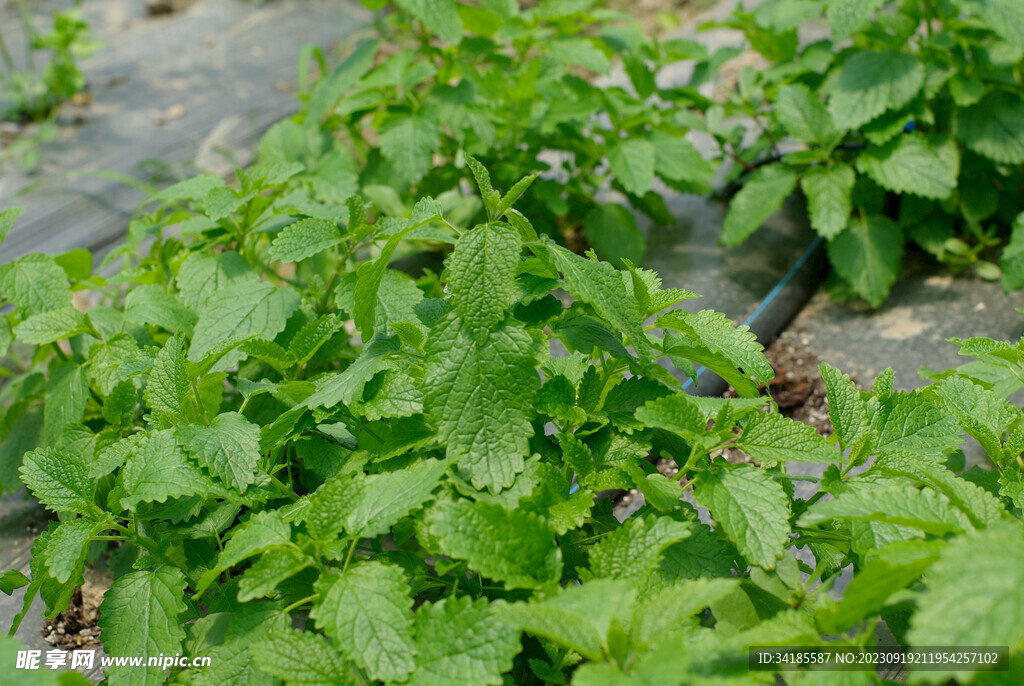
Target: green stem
[283,488]
[348,556]
[299,603]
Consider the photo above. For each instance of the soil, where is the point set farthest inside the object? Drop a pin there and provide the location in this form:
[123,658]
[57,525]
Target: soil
[76,628]
[156,8]
[797,386]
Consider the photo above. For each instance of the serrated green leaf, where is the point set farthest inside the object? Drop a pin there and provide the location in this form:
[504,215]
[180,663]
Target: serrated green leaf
[461,641]
[578,617]
[845,407]
[59,481]
[678,414]
[368,506]
[190,189]
[802,115]
[35,284]
[515,547]
[829,198]
[368,282]
[260,533]
[987,611]
[328,91]
[480,398]
[872,82]
[6,335]
[301,658]
[751,508]
[514,193]
[109,361]
[203,274]
[12,580]
[761,196]
[909,164]
[911,423]
[661,613]
[140,617]
[151,304]
[26,434]
[993,128]
[392,394]
[239,312]
[979,411]
[168,383]
[713,331]
[582,52]
[483,273]
[483,183]
[230,640]
[347,386]
[273,567]
[632,162]
[846,16]
[634,550]
[394,300]
[408,143]
[7,219]
[981,506]
[1005,17]
[119,406]
[53,325]
[600,285]
[229,447]
[67,547]
[440,16]
[222,202]
[771,437]
[868,255]
[312,336]
[677,159]
[368,611]
[900,505]
[872,586]
[69,396]
[303,239]
[56,595]
[1012,259]
[156,469]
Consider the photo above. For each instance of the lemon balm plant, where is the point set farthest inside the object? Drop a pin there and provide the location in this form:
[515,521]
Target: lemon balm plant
[520,90]
[315,469]
[907,122]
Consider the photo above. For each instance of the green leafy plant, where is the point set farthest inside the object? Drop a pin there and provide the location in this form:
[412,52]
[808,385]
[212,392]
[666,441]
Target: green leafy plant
[34,94]
[907,124]
[314,469]
[514,88]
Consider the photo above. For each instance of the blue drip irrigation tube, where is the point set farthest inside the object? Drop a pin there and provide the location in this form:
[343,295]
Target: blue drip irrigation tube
[768,299]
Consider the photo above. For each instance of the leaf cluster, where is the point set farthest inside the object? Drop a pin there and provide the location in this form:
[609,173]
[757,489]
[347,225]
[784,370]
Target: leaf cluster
[525,91]
[316,469]
[901,125]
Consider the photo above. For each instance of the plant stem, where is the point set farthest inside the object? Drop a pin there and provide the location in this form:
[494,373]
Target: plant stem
[300,603]
[283,488]
[351,552]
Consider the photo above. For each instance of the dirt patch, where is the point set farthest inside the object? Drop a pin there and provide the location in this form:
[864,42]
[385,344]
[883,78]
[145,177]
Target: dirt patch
[156,8]
[797,386]
[76,628]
